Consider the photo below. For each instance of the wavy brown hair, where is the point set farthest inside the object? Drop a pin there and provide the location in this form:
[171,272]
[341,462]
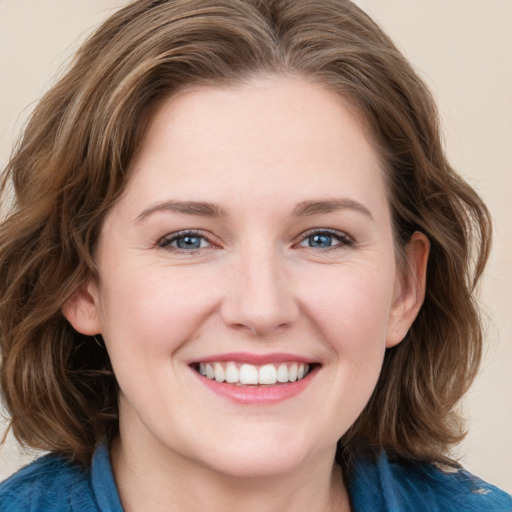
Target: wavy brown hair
[73,162]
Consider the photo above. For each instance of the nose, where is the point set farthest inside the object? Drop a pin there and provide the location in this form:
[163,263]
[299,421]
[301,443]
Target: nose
[260,297]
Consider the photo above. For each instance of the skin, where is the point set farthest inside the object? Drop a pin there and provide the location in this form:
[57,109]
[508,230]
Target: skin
[256,284]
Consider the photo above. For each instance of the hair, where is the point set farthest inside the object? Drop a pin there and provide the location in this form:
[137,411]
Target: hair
[73,162]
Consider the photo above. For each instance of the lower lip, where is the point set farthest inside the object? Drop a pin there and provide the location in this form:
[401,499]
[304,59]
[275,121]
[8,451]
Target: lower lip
[258,394]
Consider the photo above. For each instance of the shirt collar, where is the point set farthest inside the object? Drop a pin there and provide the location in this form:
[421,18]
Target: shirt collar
[102,481]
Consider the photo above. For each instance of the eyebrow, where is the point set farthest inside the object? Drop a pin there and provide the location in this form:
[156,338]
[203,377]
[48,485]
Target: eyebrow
[199,208]
[205,209]
[308,208]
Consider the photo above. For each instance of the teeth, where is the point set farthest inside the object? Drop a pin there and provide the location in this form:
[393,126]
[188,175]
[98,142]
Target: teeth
[282,373]
[248,374]
[210,373]
[267,374]
[292,372]
[220,374]
[232,373]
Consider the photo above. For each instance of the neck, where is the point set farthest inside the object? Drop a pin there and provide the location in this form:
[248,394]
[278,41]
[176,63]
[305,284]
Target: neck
[151,482]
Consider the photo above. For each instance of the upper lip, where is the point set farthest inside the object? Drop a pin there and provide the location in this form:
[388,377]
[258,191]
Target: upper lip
[255,359]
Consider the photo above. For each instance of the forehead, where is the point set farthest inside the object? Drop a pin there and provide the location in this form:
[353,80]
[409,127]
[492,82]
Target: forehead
[257,136]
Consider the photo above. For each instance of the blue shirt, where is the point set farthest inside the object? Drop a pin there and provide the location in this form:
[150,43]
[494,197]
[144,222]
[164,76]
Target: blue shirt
[51,484]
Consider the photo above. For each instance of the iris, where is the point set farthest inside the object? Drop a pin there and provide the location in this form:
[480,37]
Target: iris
[320,240]
[188,242]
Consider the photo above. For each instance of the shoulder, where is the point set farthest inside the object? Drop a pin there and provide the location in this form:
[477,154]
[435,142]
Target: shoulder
[48,484]
[450,489]
[416,486]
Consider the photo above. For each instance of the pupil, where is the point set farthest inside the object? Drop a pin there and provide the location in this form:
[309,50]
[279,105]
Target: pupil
[320,240]
[188,242]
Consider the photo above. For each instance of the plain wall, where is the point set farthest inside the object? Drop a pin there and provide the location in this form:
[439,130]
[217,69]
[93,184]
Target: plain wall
[462,48]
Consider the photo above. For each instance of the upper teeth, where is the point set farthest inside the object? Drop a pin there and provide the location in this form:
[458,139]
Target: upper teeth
[236,373]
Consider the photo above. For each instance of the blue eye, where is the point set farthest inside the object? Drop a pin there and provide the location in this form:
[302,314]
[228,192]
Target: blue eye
[188,242]
[320,241]
[185,241]
[325,240]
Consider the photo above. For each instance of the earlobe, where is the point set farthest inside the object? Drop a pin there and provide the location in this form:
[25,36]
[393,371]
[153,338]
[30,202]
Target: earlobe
[81,309]
[410,289]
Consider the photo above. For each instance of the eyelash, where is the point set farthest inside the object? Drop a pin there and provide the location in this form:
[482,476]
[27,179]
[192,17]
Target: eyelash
[167,240]
[343,239]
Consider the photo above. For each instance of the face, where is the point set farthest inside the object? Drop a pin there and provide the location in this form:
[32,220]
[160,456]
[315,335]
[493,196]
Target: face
[247,283]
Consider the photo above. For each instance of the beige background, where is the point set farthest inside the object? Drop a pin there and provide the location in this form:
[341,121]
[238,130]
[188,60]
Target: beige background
[463,49]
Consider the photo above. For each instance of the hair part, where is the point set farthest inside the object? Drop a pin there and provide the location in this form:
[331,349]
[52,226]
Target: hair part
[73,163]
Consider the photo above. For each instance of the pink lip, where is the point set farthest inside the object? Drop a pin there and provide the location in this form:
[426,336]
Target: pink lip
[258,395]
[255,359]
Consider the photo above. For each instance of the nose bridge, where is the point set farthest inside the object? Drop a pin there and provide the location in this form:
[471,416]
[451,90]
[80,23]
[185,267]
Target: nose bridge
[260,295]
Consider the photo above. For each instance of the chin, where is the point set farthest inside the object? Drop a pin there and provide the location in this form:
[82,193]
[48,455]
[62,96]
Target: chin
[249,466]
[263,456]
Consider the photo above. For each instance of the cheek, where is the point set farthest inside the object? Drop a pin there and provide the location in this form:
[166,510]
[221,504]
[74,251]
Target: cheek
[352,314]
[351,307]
[153,310]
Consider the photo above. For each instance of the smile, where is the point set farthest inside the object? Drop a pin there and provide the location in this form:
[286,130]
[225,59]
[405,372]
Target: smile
[244,374]
[251,379]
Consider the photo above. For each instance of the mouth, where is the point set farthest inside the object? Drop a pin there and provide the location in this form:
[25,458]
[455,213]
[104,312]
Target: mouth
[251,375]
[257,380]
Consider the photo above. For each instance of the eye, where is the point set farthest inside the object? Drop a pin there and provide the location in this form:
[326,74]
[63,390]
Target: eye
[325,239]
[185,241]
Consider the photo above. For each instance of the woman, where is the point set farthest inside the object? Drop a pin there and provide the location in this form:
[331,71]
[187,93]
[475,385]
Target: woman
[239,271]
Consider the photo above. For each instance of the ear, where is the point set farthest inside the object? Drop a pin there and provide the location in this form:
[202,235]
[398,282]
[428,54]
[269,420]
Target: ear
[81,309]
[409,289]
